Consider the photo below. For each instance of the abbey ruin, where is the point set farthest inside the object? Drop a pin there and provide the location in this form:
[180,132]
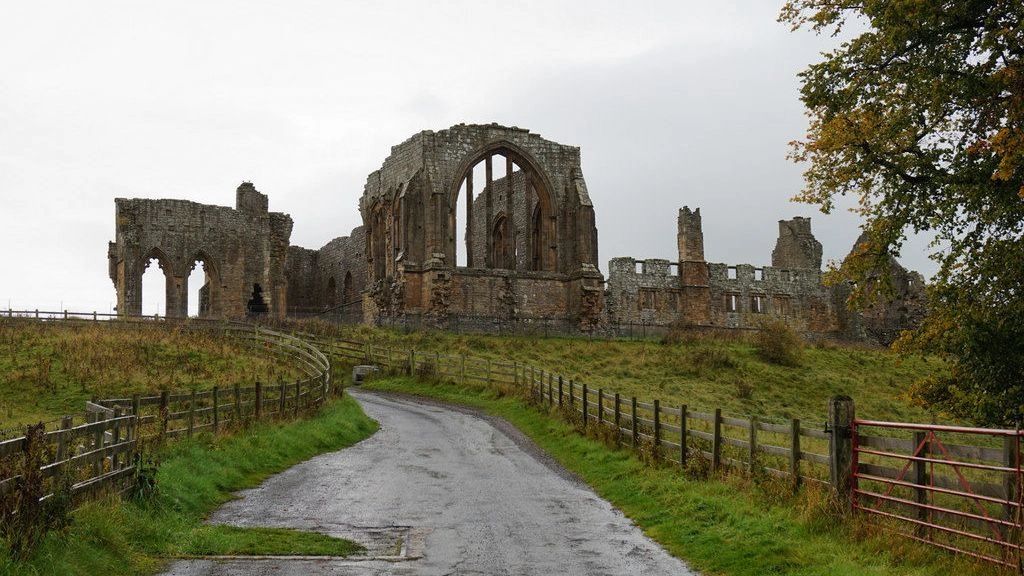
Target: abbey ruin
[480,227]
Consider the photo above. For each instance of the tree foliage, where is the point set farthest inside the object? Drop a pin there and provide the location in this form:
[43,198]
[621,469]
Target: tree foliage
[920,118]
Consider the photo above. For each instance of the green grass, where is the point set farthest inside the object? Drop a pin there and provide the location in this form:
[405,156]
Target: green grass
[731,527]
[48,369]
[705,373]
[114,538]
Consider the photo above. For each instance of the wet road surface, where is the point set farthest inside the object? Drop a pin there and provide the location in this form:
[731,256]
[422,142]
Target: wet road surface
[440,491]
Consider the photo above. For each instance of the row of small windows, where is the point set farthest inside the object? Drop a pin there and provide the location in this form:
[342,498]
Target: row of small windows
[758,304]
[784,275]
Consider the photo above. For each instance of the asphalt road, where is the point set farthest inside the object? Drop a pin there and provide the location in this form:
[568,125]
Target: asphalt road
[440,491]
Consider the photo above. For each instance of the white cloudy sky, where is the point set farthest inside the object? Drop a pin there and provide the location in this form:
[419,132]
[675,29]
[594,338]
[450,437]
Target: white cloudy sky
[673,103]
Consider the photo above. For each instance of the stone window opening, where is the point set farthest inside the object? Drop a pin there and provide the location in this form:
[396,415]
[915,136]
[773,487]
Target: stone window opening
[347,291]
[758,274]
[730,272]
[502,181]
[781,305]
[757,304]
[257,306]
[648,299]
[731,302]
[673,269]
[203,288]
[331,299]
[499,243]
[639,266]
[154,286]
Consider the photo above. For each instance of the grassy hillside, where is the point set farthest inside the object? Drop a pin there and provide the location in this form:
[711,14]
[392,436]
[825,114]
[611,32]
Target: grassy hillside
[50,369]
[704,373]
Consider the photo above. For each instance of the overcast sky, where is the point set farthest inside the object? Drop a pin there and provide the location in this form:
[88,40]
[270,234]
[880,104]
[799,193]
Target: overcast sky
[672,103]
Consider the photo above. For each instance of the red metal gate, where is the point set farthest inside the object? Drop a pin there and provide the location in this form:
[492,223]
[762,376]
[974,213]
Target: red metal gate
[948,486]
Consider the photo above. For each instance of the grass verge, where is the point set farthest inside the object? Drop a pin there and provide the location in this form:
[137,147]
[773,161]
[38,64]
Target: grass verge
[729,526]
[114,537]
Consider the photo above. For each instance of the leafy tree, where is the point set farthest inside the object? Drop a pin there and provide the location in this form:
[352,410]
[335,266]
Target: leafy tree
[920,117]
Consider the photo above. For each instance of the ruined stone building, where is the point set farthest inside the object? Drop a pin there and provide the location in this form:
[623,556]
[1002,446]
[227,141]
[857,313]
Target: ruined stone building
[474,227]
[694,293]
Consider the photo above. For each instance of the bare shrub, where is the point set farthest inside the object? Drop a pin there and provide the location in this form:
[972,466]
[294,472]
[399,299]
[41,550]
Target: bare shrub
[777,343]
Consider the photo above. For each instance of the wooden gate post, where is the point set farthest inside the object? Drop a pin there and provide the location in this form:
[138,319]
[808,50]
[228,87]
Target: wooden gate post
[840,446]
[921,479]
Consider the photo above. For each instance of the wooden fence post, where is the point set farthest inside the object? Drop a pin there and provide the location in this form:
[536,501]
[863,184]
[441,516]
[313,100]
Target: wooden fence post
[65,423]
[192,414]
[238,404]
[794,452]
[551,393]
[412,362]
[559,390]
[618,421]
[840,445]
[216,408]
[259,400]
[921,479]
[295,408]
[115,461]
[572,400]
[136,404]
[1010,480]
[97,443]
[657,429]
[164,409]
[632,421]
[752,444]
[716,442]
[488,372]
[515,374]
[585,405]
[600,405]
[282,399]
[682,436]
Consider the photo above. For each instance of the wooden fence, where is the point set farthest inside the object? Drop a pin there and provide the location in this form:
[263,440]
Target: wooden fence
[676,434]
[100,448]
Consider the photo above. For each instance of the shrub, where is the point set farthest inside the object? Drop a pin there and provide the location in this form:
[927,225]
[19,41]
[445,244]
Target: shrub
[779,344]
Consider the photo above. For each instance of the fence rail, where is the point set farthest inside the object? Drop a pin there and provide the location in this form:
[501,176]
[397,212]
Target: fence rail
[99,449]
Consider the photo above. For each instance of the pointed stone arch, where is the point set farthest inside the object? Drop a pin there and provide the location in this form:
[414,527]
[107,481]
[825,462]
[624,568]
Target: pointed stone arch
[535,203]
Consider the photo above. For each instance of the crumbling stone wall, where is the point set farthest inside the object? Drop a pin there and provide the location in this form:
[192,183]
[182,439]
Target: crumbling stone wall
[695,293]
[409,210]
[243,250]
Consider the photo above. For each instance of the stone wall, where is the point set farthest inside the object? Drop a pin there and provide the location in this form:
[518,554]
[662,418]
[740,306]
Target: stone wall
[243,251]
[698,294]
[409,210]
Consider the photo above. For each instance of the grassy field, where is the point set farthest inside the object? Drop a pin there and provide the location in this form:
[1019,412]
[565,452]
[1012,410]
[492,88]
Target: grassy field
[703,373]
[115,538]
[50,369]
[730,527]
